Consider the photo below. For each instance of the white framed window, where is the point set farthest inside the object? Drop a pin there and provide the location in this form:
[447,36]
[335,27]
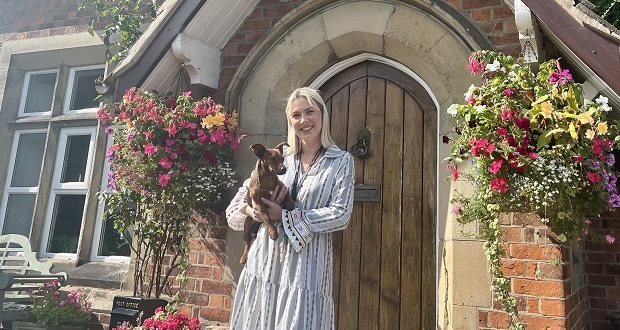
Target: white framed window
[37,93]
[67,203]
[22,184]
[81,91]
[108,244]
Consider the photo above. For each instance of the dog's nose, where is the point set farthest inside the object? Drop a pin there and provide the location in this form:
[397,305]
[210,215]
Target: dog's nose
[282,170]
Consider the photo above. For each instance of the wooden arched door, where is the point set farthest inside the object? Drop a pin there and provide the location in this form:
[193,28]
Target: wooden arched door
[384,262]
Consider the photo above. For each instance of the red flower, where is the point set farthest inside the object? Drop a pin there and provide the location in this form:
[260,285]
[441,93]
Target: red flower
[499,184]
[506,114]
[166,163]
[150,149]
[593,177]
[474,65]
[501,131]
[578,158]
[523,123]
[496,165]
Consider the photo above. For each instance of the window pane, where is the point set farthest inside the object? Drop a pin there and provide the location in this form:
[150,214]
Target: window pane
[40,93]
[76,156]
[66,223]
[112,243]
[18,217]
[28,160]
[84,93]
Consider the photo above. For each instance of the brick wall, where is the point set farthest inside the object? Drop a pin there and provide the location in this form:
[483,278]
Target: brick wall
[541,279]
[603,274]
[495,20]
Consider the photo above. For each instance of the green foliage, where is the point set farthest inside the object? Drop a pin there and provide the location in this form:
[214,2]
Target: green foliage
[609,10]
[121,19]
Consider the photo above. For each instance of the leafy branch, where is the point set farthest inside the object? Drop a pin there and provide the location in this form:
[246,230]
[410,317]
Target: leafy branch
[120,21]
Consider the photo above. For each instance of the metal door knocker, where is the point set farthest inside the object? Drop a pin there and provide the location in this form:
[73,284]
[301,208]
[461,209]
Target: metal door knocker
[361,148]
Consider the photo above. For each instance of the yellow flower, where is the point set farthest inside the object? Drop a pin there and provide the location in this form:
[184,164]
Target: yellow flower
[546,109]
[585,118]
[601,128]
[211,121]
[565,95]
[128,123]
[554,91]
[590,134]
[233,119]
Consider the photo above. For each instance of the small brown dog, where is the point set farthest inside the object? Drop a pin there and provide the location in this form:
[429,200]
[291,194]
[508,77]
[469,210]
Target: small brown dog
[263,182]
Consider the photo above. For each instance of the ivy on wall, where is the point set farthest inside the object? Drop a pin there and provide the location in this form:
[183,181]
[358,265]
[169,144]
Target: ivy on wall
[609,10]
[121,21]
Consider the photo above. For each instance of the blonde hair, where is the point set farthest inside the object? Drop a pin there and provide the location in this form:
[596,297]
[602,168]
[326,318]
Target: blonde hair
[314,99]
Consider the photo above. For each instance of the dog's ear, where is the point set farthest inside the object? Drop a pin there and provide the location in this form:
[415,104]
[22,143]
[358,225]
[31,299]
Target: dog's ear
[281,147]
[259,150]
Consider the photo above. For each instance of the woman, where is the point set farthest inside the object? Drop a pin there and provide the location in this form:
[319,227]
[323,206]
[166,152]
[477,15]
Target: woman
[287,283]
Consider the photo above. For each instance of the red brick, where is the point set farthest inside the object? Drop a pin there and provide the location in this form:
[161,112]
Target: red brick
[473,4]
[595,291]
[505,218]
[543,323]
[531,270]
[601,280]
[206,244]
[497,320]
[612,269]
[602,325]
[502,12]
[597,314]
[214,314]
[510,26]
[200,272]
[503,39]
[613,293]
[216,301]
[526,219]
[492,28]
[552,307]
[603,303]
[482,318]
[276,11]
[255,25]
[550,270]
[604,257]
[595,268]
[513,267]
[216,287]
[534,252]
[232,61]
[455,3]
[538,288]
[533,305]
[199,299]
[511,234]
[481,14]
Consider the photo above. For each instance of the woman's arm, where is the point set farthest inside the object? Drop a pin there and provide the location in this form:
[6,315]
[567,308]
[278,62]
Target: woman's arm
[301,225]
[237,209]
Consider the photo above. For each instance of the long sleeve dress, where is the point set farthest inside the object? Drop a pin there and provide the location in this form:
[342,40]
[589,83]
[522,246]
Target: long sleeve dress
[287,284]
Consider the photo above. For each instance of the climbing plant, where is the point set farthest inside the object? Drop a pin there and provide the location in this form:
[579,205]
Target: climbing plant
[609,10]
[120,22]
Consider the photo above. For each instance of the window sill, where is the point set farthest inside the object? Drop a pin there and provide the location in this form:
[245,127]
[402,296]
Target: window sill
[102,275]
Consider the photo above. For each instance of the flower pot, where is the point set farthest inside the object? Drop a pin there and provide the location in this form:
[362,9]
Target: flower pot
[22,325]
[129,309]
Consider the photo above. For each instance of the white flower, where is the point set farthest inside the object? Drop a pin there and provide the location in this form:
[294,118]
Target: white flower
[452,110]
[492,67]
[602,100]
[605,107]
[470,91]
[480,108]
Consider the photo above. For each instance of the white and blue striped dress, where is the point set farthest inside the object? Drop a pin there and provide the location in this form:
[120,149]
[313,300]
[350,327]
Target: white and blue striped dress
[287,284]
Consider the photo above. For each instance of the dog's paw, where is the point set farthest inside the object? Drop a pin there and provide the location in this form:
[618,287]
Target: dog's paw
[243,259]
[273,234]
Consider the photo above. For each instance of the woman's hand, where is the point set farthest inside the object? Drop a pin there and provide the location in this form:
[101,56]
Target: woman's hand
[253,213]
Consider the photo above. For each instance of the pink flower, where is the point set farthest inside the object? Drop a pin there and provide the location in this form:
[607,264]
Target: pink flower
[172,130]
[501,131]
[587,221]
[150,149]
[166,163]
[148,135]
[508,92]
[593,177]
[578,158]
[209,157]
[496,165]
[506,114]
[456,210]
[188,93]
[474,65]
[454,172]
[163,179]
[170,142]
[184,167]
[610,239]
[499,184]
